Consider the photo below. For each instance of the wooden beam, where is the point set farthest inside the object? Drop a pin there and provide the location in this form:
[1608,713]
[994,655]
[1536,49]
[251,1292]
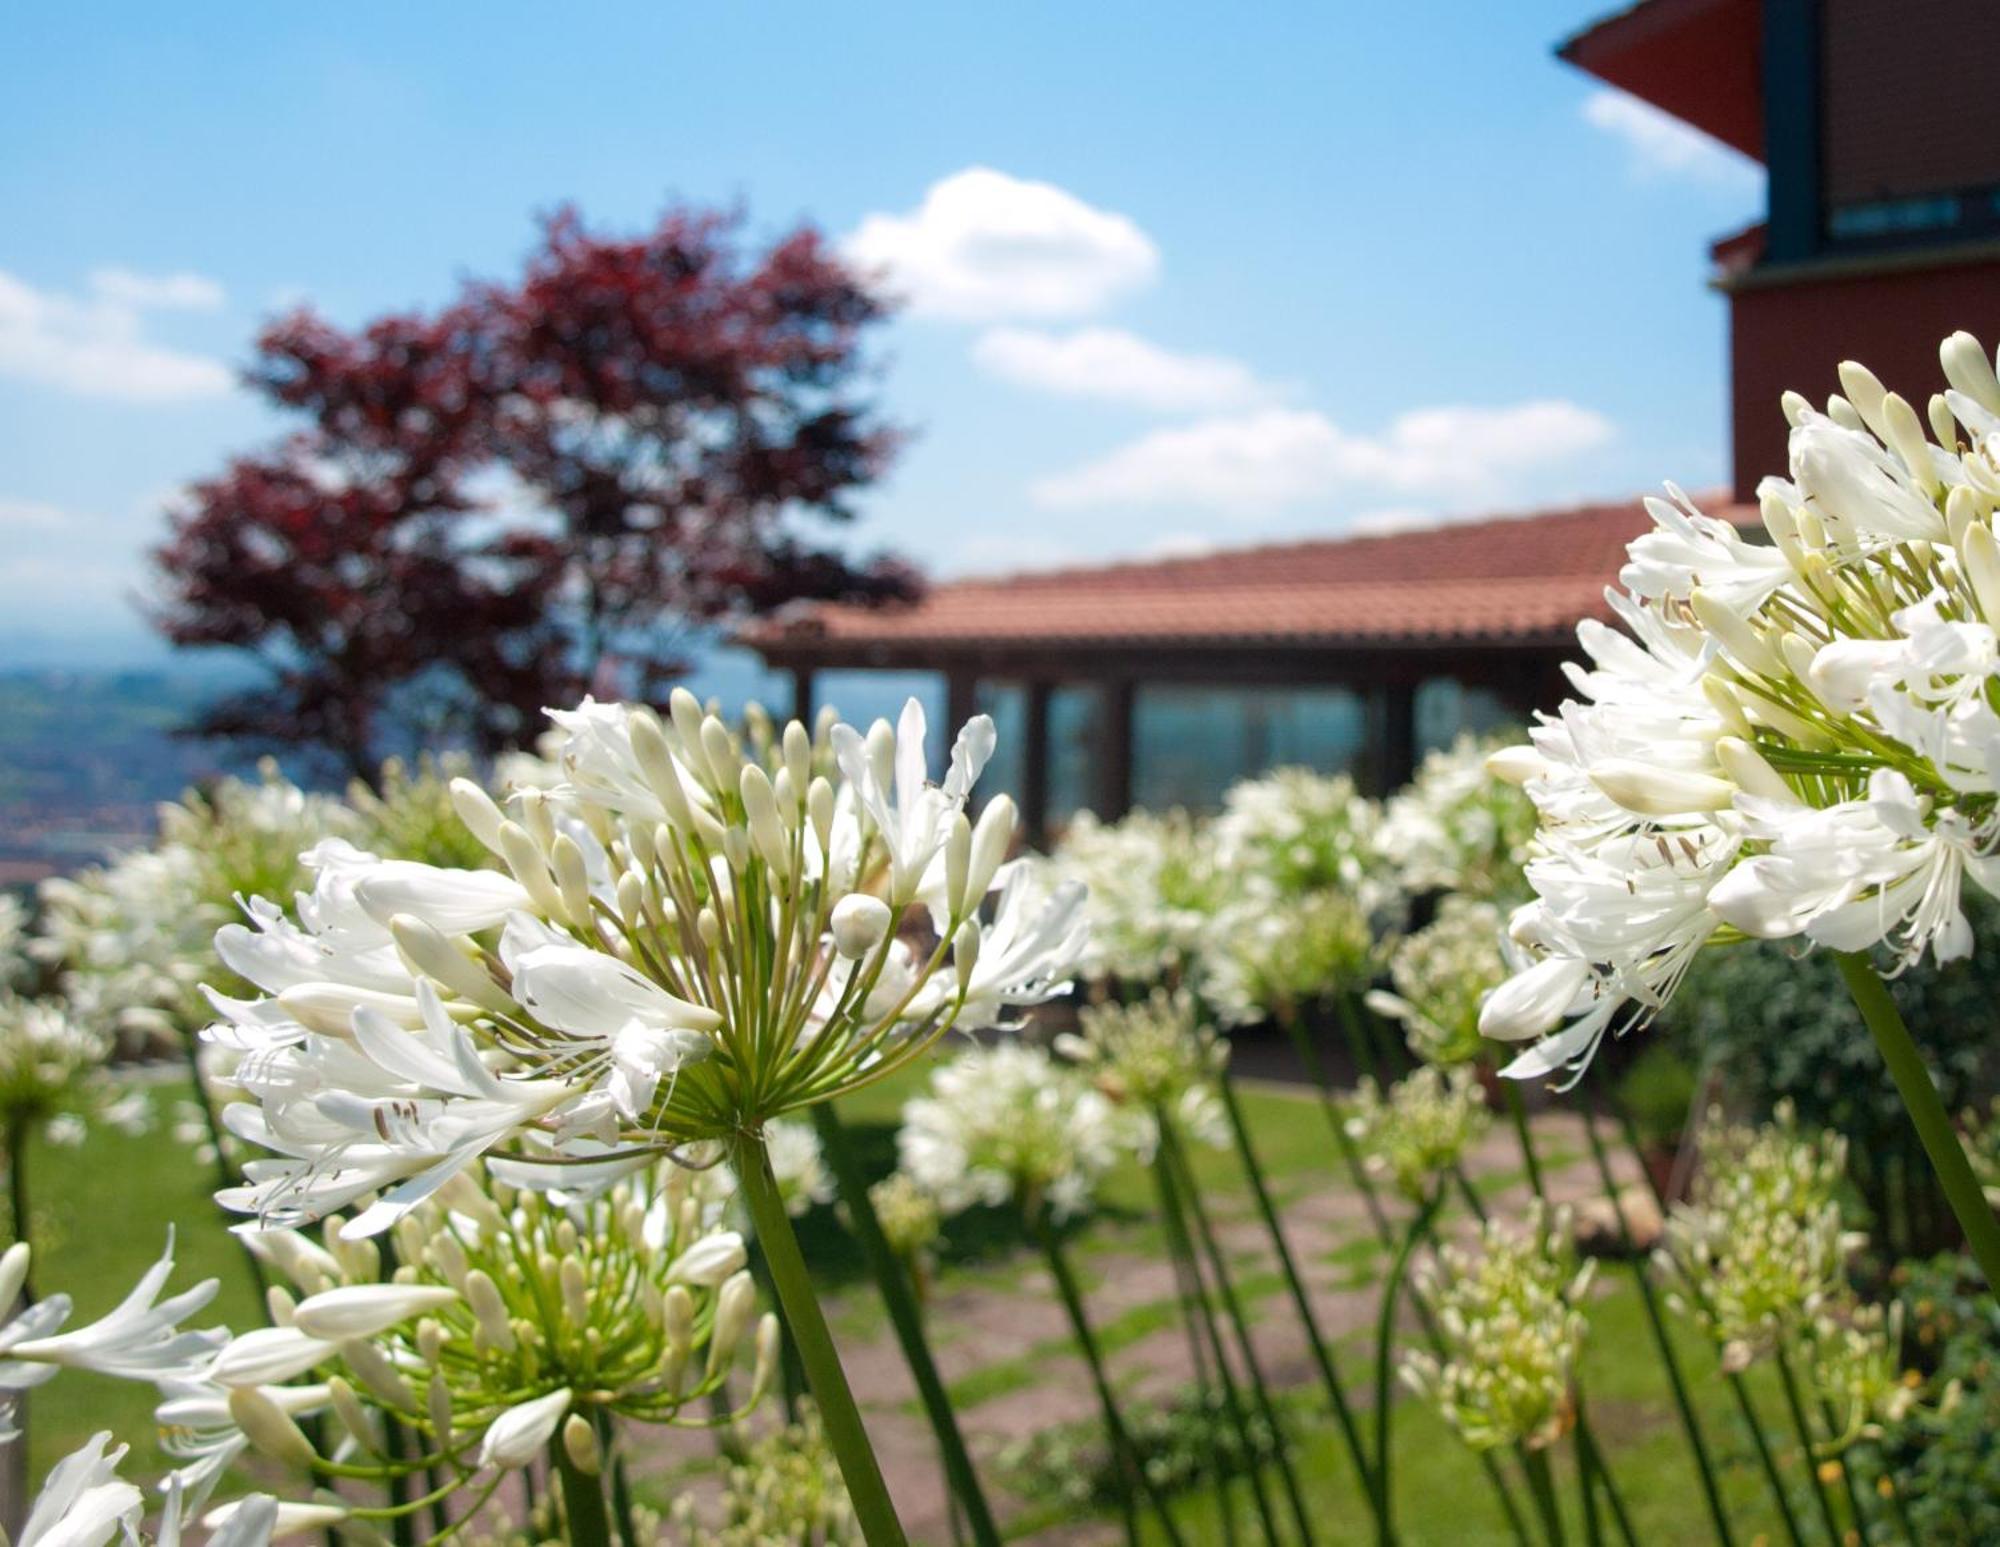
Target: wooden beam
[1112,795]
[803,707]
[1035,764]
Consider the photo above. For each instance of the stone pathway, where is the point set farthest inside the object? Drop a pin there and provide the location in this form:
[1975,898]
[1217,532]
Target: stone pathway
[979,1325]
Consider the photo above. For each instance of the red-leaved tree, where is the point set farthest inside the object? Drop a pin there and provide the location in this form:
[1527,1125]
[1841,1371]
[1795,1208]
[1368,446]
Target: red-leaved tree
[538,490]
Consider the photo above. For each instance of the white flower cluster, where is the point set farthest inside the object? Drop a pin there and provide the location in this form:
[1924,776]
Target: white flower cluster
[1758,1252]
[1155,890]
[1008,1124]
[1792,738]
[1511,1319]
[1294,831]
[1456,828]
[1420,1128]
[513,1313]
[786,1489]
[1442,974]
[53,1075]
[684,943]
[1154,1057]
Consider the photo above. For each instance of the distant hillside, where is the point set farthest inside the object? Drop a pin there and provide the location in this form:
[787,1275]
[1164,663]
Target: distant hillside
[86,754]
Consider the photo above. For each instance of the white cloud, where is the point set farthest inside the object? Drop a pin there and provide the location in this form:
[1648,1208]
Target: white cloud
[31,516]
[168,292]
[1660,145]
[984,245]
[1277,457]
[1118,367]
[93,345]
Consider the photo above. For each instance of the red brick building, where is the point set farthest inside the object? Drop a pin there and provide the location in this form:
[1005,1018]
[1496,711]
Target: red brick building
[1881,136]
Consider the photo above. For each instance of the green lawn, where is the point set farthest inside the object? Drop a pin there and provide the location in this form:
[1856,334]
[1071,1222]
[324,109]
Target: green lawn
[102,1212]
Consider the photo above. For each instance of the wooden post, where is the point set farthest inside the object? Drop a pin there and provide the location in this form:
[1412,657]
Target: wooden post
[803,707]
[1113,794]
[1392,751]
[1035,764]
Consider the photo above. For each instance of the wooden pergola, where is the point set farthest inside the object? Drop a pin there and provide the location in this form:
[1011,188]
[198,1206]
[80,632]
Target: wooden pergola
[1491,604]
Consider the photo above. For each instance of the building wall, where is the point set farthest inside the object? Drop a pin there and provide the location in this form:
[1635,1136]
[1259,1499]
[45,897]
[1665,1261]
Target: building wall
[1909,105]
[1794,334]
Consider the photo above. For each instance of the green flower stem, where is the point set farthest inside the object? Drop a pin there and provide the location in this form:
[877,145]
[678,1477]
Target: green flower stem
[791,1372]
[1301,1301]
[1543,1486]
[1086,1342]
[1359,1043]
[1202,1321]
[1171,1147]
[900,1300]
[1920,1100]
[1586,1437]
[845,1432]
[586,1521]
[1846,1462]
[1586,1486]
[1517,1111]
[621,1483]
[1656,1323]
[1385,1329]
[1316,1069]
[1384,1233]
[1803,1428]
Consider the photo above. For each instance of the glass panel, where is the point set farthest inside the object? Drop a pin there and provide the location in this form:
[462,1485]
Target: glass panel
[1190,744]
[1446,707]
[1073,717]
[1007,702]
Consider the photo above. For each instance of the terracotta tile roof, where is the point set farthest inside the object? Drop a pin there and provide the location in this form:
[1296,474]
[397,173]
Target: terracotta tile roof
[1517,579]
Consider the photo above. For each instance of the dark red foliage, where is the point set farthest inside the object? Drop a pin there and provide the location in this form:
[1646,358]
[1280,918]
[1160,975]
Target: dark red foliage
[657,415]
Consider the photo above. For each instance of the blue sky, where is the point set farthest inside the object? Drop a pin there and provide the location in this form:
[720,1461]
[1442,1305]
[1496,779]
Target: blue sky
[1178,275]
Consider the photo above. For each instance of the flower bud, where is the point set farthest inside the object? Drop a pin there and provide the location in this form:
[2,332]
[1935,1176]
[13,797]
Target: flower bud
[1516,765]
[734,1306]
[523,1432]
[1967,369]
[354,1418]
[819,810]
[720,753]
[798,755]
[1746,766]
[767,1357]
[709,1260]
[524,861]
[965,953]
[378,1375]
[426,951]
[438,1402]
[859,924]
[1865,391]
[1739,640]
[1649,790]
[1980,555]
[269,1428]
[489,1311]
[476,810]
[957,863]
[362,1310]
[575,1293]
[279,1306]
[572,879]
[992,836]
[579,1440]
[760,810]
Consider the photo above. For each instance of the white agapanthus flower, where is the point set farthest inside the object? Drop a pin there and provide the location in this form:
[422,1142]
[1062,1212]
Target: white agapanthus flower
[141,1339]
[1797,739]
[84,1502]
[53,1074]
[1008,1124]
[1295,831]
[1456,827]
[1442,974]
[684,944]
[1155,1058]
[1155,888]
